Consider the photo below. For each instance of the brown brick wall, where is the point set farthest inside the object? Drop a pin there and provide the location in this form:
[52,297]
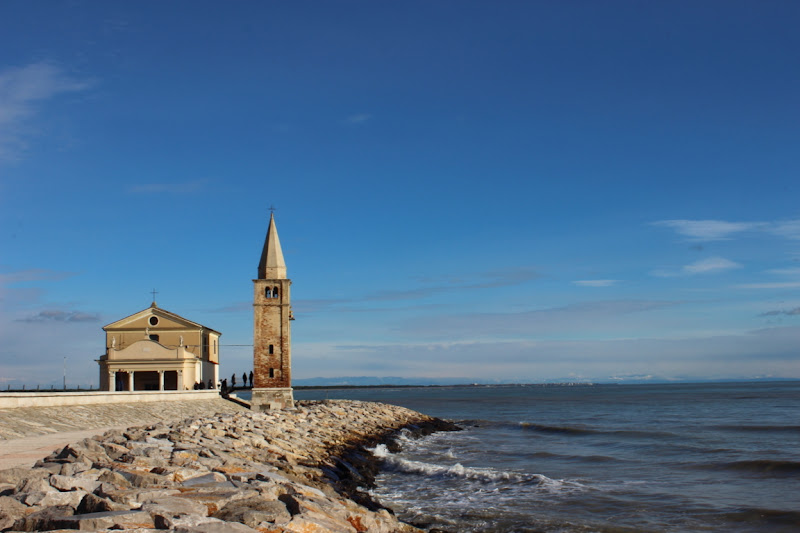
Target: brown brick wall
[271,326]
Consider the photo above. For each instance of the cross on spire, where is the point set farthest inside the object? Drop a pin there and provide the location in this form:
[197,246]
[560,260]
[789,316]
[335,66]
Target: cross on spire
[272,209]
[154,295]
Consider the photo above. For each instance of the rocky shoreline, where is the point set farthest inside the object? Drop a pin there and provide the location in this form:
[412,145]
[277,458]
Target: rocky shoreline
[299,471]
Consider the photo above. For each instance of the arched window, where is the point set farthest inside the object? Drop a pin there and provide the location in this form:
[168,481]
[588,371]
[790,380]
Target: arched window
[275,292]
[271,349]
[268,292]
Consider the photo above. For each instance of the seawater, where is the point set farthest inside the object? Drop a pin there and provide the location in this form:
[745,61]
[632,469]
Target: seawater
[605,458]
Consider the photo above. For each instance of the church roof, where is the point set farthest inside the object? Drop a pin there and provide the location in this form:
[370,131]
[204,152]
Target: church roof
[272,265]
[157,311]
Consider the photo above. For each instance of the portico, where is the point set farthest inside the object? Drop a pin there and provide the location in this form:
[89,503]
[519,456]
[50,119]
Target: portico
[156,350]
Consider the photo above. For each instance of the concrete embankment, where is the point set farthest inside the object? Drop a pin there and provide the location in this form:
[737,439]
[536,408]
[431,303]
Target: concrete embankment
[22,422]
[289,471]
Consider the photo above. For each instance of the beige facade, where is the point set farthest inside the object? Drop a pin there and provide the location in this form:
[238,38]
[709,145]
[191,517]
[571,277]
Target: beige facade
[155,349]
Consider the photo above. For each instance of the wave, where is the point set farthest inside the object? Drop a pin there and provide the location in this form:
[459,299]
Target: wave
[763,516]
[758,429]
[584,458]
[578,430]
[761,466]
[458,471]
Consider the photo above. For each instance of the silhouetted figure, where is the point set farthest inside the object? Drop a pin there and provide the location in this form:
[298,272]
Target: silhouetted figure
[202,386]
[196,385]
[224,389]
[233,381]
[244,379]
[251,379]
[210,384]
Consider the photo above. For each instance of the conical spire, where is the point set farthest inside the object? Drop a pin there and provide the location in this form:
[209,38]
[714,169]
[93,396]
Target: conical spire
[272,265]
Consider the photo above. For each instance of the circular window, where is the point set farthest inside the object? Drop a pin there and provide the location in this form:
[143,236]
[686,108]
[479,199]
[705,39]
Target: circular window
[153,320]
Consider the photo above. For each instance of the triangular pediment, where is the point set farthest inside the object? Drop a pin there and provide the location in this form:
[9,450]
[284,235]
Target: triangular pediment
[164,320]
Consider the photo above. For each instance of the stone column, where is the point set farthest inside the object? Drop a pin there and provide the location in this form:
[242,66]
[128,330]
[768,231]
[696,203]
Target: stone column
[180,379]
[112,381]
[130,380]
[160,380]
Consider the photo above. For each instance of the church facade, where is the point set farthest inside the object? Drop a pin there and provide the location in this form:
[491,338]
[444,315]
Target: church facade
[272,340]
[156,349]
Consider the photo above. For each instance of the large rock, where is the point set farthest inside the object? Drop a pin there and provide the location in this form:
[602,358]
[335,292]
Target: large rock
[253,511]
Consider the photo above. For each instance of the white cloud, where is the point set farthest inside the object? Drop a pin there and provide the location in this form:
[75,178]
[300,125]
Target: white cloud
[732,355]
[787,228]
[167,188]
[708,230]
[358,118]
[785,271]
[22,92]
[56,315]
[595,282]
[776,285]
[718,230]
[710,265]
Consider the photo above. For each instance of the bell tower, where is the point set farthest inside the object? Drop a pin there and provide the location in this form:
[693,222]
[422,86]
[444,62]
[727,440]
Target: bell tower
[272,340]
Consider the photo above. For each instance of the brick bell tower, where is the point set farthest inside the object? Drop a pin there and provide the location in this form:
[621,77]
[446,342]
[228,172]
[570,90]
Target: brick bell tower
[272,340]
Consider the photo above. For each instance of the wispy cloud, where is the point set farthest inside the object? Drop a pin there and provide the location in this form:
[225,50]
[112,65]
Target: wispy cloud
[708,230]
[789,229]
[358,118]
[23,91]
[595,282]
[590,318]
[785,312]
[770,285]
[794,271]
[720,230]
[184,187]
[33,274]
[771,351]
[61,316]
[711,265]
[485,280]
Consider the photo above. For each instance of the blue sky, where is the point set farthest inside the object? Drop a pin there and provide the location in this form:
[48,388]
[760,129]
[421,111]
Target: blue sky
[514,191]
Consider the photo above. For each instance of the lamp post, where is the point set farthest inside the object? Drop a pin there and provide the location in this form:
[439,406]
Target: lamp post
[65,372]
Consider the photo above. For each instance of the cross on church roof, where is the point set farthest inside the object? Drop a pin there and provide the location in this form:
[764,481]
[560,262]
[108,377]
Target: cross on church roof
[154,296]
[272,209]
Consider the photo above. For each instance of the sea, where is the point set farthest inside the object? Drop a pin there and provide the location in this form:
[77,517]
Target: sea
[596,458]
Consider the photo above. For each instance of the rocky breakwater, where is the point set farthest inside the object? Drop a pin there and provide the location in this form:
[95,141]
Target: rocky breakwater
[290,471]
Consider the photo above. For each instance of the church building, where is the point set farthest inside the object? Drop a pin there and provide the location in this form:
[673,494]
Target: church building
[155,349]
[272,340]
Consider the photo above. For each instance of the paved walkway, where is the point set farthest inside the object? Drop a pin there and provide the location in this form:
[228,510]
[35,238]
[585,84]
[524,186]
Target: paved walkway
[28,450]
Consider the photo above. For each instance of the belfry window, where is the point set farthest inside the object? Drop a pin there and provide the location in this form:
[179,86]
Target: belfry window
[268,292]
[275,292]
